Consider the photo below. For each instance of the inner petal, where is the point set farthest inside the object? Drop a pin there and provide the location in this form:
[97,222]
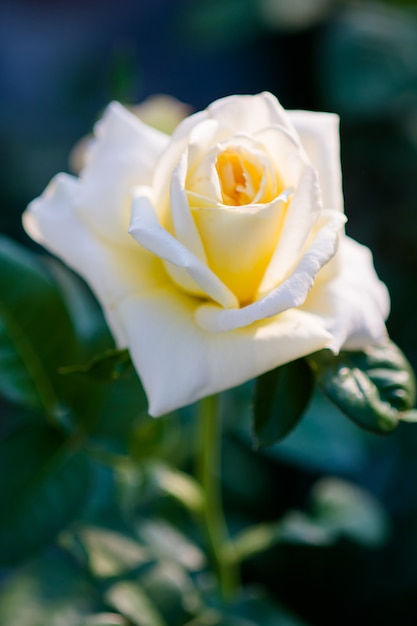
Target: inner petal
[239,243]
[240,176]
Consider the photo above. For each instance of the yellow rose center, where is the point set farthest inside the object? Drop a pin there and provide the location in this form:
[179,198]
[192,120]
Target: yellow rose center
[240,234]
[239,177]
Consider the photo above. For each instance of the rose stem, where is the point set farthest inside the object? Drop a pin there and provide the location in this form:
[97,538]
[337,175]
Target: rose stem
[209,472]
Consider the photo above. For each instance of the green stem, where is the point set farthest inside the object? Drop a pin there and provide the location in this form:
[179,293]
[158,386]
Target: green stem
[221,547]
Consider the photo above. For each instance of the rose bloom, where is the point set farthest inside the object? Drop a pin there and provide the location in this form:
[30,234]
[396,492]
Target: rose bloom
[217,253]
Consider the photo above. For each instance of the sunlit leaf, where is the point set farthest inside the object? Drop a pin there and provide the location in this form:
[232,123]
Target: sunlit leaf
[167,542]
[111,553]
[345,509]
[375,388]
[105,619]
[173,590]
[49,591]
[132,602]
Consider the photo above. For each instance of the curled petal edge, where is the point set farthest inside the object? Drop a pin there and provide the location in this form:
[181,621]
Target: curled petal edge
[148,232]
[291,293]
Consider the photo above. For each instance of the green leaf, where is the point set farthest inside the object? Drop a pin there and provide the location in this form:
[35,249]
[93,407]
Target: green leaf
[337,508]
[110,365]
[120,406]
[168,543]
[48,322]
[36,334]
[179,485]
[345,509]
[111,553]
[280,399]
[44,484]
[131,601]
[173,591]
[49,591]
[375,388]
[325,441]
[105,619]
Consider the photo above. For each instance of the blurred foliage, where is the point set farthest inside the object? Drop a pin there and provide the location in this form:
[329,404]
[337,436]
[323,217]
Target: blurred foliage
[99,521]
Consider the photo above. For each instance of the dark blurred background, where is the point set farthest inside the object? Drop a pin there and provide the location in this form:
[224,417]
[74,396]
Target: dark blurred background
[62,61]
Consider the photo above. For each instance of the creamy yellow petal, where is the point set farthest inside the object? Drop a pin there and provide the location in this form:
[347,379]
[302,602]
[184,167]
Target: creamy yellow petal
[147,231]
[289,294]
[239,243]
[183,224]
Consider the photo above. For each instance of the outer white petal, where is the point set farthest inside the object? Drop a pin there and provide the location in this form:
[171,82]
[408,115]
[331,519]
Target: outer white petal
[289,294]
[122,156]
[249,113]
[355,304]
[180,363]
[319,134]
[112,271]
[148,232]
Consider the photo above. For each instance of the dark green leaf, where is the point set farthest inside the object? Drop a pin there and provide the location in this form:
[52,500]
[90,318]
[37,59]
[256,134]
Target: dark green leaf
[280,398]
[375,388]
[36,334]
[48,322]
[255,608]
[325,442]
[86,315]
[110,365]
[44,484]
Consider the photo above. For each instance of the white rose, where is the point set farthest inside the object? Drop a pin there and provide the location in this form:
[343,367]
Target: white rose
[236,262]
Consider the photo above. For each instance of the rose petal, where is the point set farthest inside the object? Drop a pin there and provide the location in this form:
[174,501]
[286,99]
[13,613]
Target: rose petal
[319,133]
[249,113]
[217,123]
[184,225]
[355,303]
[193,135]
[289,294]
[122,155]
[147,231]
[161,324]
[239,242]
[112,271]
[303,212]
